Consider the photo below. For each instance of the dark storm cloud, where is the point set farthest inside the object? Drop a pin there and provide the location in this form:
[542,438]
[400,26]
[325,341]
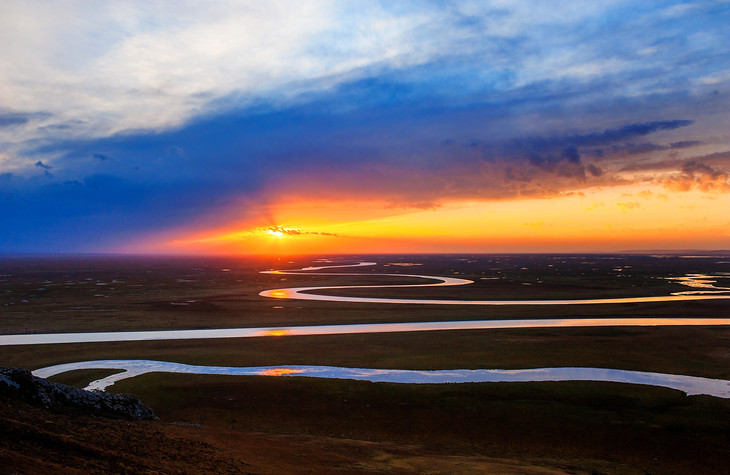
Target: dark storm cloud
[60,127]
[550,161]
[671,162]
[40,164]
[635,130]
[594,170]
[561,156]
[54,127]
[602,139]
[631,148]
[684,143]
[571,154]
[698,175]
[608,136]
[694,167]
[9,119]
[12,119]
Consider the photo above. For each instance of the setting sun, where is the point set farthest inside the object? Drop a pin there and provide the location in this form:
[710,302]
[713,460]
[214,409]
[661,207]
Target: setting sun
[275,234]
[588,220]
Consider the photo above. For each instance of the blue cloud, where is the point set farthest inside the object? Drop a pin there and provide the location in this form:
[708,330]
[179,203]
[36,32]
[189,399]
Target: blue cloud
[535,99]
[172,178]
[9,119]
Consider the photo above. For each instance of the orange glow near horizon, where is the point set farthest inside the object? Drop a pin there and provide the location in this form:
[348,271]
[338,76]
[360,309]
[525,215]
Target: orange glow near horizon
[593,220]
[277,332]
[280,371]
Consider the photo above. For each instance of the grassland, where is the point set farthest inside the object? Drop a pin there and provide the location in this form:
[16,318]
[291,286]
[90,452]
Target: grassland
[570,427]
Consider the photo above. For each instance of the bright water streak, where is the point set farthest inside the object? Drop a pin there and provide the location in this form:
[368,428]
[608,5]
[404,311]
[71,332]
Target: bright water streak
[304,293]
[299,293]
[688,384]
[53,338]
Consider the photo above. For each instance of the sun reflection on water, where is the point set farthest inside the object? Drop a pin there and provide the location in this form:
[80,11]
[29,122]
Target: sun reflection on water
[279,371]
[277,332]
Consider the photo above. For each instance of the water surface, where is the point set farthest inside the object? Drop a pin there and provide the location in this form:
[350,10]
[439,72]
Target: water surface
[306,293]
[690,385]
[97,337]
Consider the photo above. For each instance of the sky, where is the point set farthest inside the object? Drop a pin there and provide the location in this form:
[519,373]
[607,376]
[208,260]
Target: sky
[288,127]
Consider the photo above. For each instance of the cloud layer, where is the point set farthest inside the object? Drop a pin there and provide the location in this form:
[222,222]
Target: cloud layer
[126,118]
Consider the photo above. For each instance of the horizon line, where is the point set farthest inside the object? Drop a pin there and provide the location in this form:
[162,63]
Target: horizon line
[699,252]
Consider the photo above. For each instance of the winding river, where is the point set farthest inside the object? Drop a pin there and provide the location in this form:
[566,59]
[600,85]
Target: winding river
[688,384]
[130,368]
[305,293]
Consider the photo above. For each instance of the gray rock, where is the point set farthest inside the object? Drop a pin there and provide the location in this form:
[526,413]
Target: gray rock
[39,391]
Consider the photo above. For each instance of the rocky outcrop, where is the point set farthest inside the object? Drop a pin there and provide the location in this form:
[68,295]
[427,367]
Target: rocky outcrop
[39,391]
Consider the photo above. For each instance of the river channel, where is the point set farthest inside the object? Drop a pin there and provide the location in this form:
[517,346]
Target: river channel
[688,384]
